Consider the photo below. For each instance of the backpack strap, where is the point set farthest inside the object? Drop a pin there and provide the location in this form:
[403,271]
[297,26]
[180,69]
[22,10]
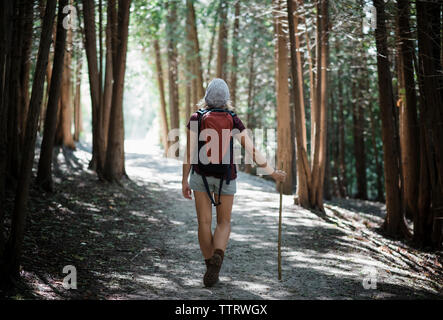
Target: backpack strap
[205,182]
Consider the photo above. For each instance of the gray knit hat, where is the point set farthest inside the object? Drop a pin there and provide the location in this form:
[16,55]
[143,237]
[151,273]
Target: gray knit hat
[217,93]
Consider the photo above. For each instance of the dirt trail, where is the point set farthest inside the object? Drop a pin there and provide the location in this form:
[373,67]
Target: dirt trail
[139,241]
[323,258]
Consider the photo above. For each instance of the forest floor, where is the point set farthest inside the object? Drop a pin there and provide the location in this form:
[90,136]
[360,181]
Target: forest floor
[139,241]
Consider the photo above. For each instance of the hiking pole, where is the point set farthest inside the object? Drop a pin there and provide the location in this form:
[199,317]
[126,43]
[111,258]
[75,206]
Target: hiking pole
[279,228]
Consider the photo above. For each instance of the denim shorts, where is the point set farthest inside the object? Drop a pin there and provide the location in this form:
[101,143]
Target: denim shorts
[196,184]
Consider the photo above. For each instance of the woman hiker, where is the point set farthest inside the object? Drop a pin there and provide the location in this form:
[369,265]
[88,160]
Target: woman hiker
[216,183]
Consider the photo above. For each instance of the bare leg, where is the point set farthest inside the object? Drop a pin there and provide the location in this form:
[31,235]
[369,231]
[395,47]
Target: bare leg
[204,217]
[223,229]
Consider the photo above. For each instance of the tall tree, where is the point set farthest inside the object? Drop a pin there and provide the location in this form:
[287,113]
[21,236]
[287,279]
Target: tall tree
[284,145]
[321,106]
[222,45]
[394,223]
[63,135]
[428,224]
[310,181]
[94,83]
[160,82]
[6,25]
[408,124]
[106,94]
[173,68]
[12,254]
[26,8]
[378,164]
[196,58]
[211,44]
[44,173]
[342,181]
[77,95]
[114,168]
[235,46]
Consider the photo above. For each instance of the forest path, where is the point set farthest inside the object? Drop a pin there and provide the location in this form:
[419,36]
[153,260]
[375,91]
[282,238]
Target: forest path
[139,241]
[322,258]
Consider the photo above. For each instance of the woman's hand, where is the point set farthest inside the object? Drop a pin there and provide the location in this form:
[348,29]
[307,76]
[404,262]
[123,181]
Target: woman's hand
[279,175]
[186,190]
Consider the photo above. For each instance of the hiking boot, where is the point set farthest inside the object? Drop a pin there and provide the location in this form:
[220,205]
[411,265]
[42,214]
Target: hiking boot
[213,265]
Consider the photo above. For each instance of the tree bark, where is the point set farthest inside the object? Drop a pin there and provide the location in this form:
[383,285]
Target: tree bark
[163,114]
[109,74]
[13,251]
[303,168]
[211,44]
[222,46]
[342,181]
[409,133]
[77,95]
[394,223]
[94,82]
[25,62]
[378,165]
[114,168]
[44,173]
[63,136]
[429,224]
[173,70]
[284,145]
[198,71]
[250,119]
[319,160]
[234,63]
[6,8]
[359,140]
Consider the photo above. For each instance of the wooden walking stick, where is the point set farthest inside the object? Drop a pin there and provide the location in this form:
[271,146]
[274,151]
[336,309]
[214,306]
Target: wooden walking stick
[279,227]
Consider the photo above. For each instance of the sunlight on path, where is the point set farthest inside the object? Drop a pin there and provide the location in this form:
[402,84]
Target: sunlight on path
[321,260]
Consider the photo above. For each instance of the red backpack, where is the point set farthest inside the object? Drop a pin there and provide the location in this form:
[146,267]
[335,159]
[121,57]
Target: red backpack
[220,121]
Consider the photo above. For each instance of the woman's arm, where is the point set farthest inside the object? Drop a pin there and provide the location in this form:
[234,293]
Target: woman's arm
[258,157]
[186,190]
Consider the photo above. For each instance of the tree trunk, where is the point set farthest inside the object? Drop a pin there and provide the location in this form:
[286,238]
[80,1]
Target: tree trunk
[163,114]
[13,251]
[173,71]
[319,160]
[196,49]
[250,119]
[394,223]
[359,141]
[109,74]
[429,224]
[44,173]
[303,168]
[77,95]
[234,63]
[342,181]
[115,162]
[284,145]
[378,165]
[222,47]
[211,44]
[27,17]
[63,135]
[409,133]
[6,8]
[14,134]
[94,82]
